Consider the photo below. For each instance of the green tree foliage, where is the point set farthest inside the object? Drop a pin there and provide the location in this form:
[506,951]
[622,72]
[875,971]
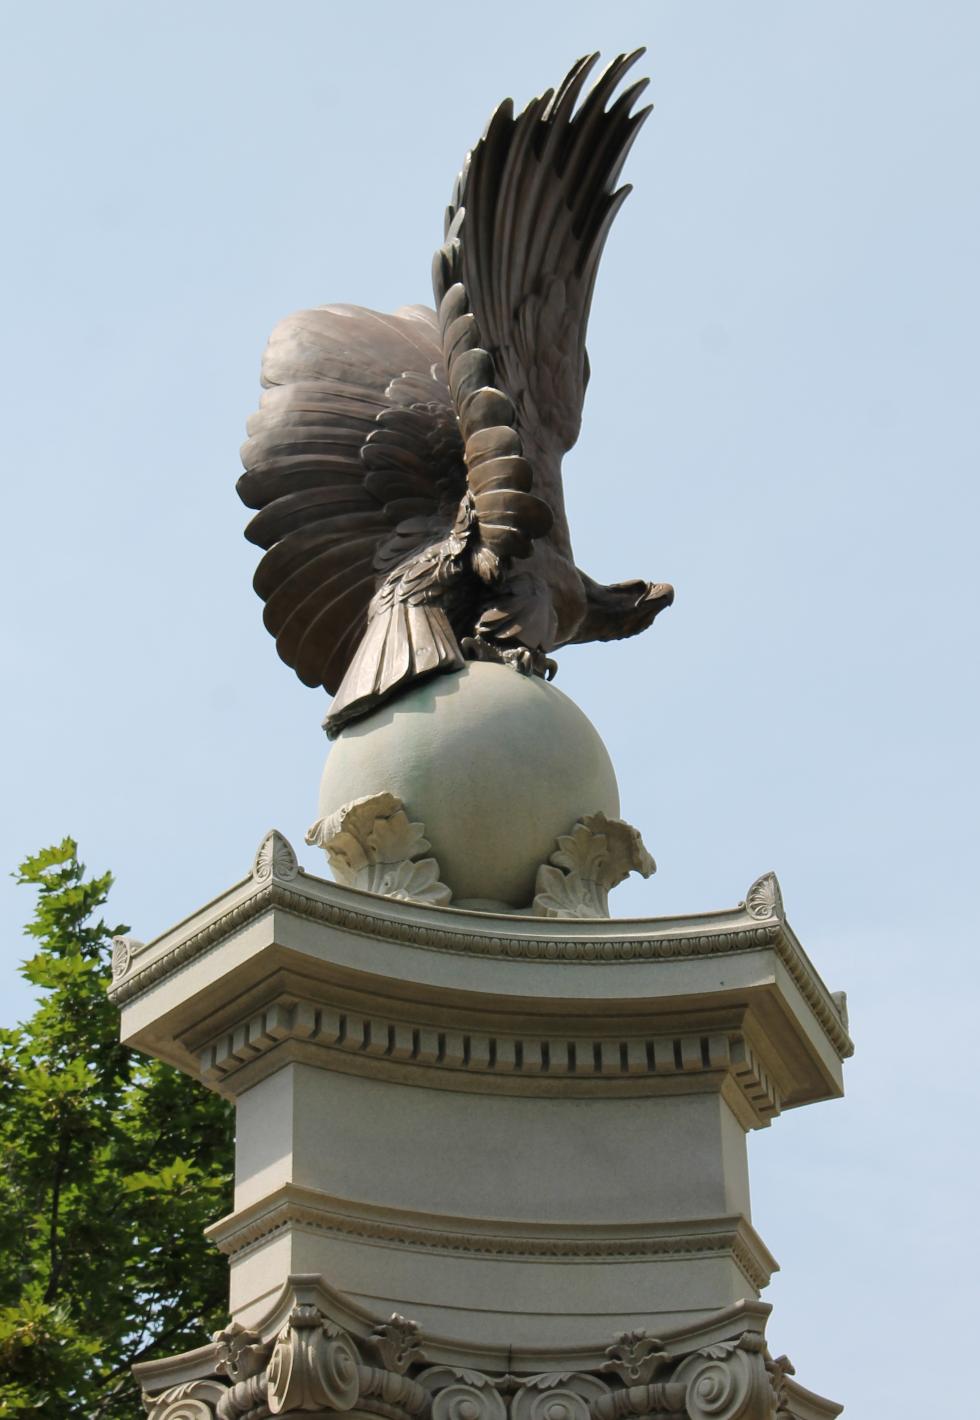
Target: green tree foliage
[113,1165]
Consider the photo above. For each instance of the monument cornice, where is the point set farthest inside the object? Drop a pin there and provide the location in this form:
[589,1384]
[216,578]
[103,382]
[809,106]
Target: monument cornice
[756,923]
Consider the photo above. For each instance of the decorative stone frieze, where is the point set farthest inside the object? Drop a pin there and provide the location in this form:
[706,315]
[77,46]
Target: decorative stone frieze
[587,864]
[372,845]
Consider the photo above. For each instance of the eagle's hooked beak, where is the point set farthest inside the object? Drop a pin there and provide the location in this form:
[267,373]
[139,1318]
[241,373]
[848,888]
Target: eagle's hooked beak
[659,594]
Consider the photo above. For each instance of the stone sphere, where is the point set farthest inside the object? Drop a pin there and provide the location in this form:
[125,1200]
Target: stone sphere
[495,764]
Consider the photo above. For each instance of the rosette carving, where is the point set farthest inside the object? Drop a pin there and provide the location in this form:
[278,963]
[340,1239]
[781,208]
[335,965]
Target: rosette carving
[727,1382]
[372,845]
[195,1400]
[310,1369]
[588,862]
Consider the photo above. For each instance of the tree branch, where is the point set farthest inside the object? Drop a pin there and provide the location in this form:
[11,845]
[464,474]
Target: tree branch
[55,1257]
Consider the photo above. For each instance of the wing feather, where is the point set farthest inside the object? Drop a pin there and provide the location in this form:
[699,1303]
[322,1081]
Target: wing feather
[356,436]
[533,208]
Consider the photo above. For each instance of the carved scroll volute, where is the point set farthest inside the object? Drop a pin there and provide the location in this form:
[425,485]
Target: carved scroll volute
[472,1398]
[195,1400]
[728,1382]
[309,1369]
[558,1397]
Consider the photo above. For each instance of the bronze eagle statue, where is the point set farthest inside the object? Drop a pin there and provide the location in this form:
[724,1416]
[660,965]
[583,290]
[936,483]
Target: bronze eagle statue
[406,468]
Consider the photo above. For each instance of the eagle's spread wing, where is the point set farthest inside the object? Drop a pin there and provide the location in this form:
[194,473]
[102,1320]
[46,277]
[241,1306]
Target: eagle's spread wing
[353,460]
[531,213]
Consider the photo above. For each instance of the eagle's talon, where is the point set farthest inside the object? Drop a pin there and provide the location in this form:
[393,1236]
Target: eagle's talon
[519,658]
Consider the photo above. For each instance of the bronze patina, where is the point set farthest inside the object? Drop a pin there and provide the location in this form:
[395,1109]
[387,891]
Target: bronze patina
[406,468]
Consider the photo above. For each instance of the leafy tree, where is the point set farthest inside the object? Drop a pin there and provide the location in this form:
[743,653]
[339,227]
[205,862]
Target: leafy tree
[113,1165]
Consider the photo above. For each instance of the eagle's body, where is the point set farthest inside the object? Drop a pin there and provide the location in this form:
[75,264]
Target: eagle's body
[407,467]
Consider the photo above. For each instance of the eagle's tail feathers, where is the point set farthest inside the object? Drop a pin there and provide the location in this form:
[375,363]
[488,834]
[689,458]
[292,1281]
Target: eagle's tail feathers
[403,644]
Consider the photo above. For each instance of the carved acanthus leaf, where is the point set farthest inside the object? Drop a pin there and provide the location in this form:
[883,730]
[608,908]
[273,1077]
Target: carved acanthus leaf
[397,1344]
[241,1353]
[778,1371]
[635,1357]
[587,863]
[371,844]
[436,1377]
[558,894]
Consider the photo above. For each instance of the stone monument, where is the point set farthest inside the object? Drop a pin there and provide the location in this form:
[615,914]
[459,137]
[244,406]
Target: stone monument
[490,1142]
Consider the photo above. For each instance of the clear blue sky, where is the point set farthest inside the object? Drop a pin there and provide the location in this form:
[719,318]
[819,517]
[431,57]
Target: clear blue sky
[782,422]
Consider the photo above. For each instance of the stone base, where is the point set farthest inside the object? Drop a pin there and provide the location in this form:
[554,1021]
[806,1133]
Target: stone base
[527,1134]
[317,1354]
